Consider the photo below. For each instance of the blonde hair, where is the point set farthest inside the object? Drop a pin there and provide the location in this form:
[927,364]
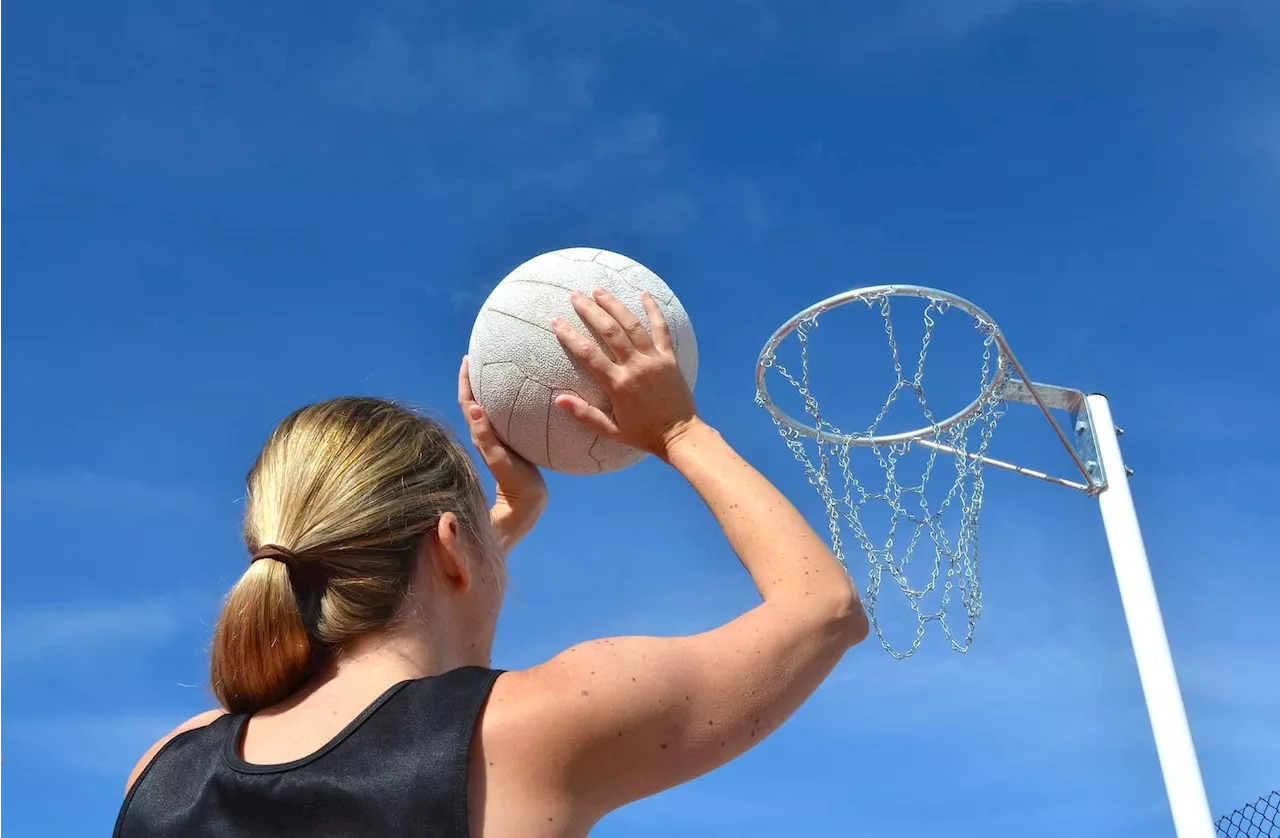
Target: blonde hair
[349,487]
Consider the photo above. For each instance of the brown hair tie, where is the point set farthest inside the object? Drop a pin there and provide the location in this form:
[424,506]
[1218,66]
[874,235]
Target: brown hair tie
[274,551]
[308,575]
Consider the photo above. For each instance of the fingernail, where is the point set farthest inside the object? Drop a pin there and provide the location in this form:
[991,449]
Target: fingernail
[477,412]
[575,295]
[599,292]
[557,321]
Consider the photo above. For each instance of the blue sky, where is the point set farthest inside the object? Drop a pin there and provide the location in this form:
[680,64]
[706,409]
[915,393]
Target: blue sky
[217,212]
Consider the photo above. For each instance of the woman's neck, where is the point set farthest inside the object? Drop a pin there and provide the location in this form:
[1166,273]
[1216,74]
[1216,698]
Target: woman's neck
[398,655]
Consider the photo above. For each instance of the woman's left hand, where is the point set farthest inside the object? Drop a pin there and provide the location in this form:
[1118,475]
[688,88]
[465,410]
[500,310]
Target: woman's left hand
[521,494]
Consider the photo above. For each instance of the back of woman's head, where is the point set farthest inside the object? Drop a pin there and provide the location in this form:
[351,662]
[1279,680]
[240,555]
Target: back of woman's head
[348,488]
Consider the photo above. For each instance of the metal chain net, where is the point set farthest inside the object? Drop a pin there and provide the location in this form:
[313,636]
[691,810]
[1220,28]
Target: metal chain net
[1259,819]
[954,557]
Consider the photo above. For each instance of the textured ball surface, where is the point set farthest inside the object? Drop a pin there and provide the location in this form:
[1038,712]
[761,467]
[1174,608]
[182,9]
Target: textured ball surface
[518,367]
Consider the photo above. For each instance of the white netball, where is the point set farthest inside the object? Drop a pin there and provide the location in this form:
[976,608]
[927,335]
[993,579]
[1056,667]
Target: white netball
[518,367]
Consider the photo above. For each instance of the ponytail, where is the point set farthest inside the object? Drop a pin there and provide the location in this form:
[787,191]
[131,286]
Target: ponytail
[261,649]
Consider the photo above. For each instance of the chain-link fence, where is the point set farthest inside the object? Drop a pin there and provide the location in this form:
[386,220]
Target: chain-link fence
[1259,819]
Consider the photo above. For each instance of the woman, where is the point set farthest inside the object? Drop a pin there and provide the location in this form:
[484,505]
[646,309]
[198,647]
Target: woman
[352,657]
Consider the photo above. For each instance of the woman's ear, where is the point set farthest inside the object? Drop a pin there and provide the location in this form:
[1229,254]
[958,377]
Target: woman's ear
[450,564]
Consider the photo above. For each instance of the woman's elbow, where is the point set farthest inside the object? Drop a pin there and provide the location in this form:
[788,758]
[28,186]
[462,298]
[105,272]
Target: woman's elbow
[848,620]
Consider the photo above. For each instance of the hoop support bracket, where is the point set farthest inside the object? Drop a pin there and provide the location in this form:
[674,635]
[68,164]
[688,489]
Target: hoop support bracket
[1082,447]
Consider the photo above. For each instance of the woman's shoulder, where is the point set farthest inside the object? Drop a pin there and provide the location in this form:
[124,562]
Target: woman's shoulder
[194,723]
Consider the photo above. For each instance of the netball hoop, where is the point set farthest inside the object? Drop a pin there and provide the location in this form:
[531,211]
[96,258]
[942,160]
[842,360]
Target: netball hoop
[950,517]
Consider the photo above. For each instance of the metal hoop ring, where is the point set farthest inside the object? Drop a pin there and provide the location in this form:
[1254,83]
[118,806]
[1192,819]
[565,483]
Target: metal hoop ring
[1003,354]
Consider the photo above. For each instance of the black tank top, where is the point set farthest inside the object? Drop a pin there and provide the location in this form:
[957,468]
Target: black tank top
[399,769]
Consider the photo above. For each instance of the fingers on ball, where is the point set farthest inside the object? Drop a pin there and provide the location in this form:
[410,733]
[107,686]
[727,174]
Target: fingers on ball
[661,334]
[583,348]
[588,415]
[603,324]
[464,381]
[625,318]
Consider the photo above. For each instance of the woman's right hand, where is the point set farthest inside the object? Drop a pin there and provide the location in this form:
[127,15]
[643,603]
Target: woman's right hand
[652,404]
[614,720]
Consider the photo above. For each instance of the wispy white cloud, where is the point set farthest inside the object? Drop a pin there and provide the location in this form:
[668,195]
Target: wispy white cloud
[943,20]
[538,122]
[495,73]
[628,146]
[105,745]
[34,633]
[736,33]
[837,34]
[95,490]
[925,22]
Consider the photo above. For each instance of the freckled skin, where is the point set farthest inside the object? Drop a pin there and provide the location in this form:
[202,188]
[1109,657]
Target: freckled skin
[702,699]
